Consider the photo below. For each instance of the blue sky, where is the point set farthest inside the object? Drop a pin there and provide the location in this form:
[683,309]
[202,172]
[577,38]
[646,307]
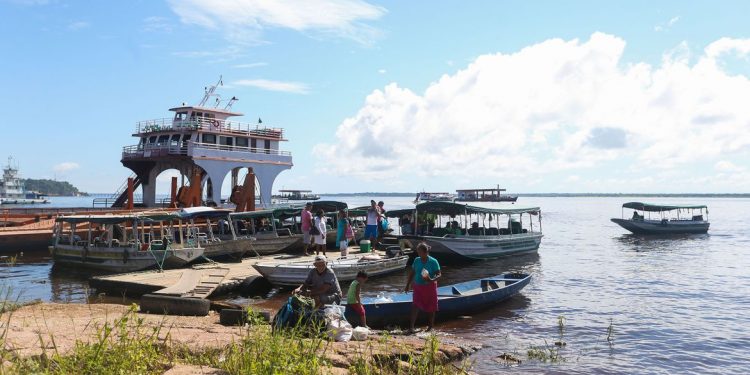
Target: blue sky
[537,96]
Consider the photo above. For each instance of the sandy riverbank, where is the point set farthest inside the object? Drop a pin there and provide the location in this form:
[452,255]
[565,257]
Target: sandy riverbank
[45,328]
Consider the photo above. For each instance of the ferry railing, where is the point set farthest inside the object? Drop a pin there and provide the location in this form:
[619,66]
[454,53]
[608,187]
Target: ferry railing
[206,124]
[157,150]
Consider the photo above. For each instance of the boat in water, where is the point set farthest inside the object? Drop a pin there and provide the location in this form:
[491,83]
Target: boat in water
[453,300]
[434,197]
[492,232]
[12,190]
[346,268]
[125,243]
[484,195]
[664,219]
[296,195]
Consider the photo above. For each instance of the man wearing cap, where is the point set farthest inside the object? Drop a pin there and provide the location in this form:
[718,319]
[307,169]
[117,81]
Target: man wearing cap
[321,284]
[306,220]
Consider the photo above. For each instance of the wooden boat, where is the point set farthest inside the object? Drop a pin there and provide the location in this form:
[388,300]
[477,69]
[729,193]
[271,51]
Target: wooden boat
[670,219]
[453,300]
[508,236]
[263,233]
[124,243]
[295,273]
[219,243]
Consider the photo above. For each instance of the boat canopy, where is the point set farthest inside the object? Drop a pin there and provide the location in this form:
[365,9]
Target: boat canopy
[453,209]
[329,206]
[204,212]
[660,207]
[278,213]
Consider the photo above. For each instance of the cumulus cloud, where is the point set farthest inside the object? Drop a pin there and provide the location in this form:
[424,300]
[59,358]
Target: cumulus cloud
[551,107]
[65,167]
[78,25]
[291,87]
[243,21]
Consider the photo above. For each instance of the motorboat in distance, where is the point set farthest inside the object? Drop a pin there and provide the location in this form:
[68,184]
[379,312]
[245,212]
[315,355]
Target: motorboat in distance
[664,219]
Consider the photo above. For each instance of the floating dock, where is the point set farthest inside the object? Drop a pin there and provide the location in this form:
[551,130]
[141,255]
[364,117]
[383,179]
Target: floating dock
[199,281]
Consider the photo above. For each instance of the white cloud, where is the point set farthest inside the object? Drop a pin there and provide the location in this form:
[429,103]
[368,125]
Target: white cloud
[78,25]
[727,166]
[250,65]
[382,71]
[668,25]
[243,21]
[291,87]
[552,107]
[154,23]
[65,167]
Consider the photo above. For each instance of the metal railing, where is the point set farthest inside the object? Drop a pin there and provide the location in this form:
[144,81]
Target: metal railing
[157,150]
[206,124]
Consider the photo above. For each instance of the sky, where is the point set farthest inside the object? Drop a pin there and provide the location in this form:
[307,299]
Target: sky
[395,96]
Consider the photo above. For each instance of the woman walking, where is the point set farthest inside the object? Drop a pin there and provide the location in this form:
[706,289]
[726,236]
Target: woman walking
[423,275]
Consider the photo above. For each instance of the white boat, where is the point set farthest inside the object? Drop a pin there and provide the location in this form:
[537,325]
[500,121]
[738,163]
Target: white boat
[12,190]
[503,231]
[346,269]
[434,197]
[124,243]
[669,219]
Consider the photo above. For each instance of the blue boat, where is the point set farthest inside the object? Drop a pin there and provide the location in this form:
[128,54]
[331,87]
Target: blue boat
[453,300]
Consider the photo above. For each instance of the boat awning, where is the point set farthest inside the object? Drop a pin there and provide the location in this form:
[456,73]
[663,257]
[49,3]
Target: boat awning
[399,213]
[278,213]
[660,207]
[453,209]
[204,212]
[329,206]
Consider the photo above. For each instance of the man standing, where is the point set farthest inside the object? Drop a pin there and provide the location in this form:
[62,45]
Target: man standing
[306,220]
[381,218]
[373,218]
[321,284]
[423,275]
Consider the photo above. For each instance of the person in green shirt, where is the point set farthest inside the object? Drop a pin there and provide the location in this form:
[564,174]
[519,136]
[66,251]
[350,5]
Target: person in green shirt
[423,275]
[353,299]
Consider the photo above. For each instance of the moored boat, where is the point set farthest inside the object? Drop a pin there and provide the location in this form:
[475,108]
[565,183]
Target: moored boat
[124,243]
[263,231]
[294,273]
[670,219]
[453,300]
[503,230]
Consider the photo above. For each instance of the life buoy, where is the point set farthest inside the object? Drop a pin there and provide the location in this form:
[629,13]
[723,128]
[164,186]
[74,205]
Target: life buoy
[214,124]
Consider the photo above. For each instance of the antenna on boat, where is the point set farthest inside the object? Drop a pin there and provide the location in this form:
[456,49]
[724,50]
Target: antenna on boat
[231,101]
[209,92]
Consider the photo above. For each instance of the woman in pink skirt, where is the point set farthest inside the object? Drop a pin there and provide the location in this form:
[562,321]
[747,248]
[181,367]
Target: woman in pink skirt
[423,275]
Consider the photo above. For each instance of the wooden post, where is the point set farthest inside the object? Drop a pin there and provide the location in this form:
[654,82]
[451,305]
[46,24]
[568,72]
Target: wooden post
[129,206]
[173,194]
[250,205]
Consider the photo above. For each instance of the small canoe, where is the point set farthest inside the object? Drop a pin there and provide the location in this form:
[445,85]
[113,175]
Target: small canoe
[295,273]
[453,300]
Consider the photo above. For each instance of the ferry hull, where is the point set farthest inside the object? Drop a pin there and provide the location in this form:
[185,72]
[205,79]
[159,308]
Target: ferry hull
[663,227]
[476,247]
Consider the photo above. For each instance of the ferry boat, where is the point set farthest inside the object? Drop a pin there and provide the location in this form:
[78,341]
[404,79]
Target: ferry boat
[484,195]
[12,190]
[664,219]
[446,228]
[125,243]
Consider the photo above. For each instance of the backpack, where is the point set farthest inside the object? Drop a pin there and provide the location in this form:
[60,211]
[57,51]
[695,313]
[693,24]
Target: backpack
[314,229]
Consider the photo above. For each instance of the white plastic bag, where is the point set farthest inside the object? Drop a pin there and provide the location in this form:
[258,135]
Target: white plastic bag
[339,330]
[360,334]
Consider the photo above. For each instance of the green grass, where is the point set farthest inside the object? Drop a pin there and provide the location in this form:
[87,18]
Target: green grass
[128,346]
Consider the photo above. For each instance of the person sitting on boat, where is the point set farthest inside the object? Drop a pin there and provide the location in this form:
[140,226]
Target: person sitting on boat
[636,216]
[423,275]
[321,284]
[406,226]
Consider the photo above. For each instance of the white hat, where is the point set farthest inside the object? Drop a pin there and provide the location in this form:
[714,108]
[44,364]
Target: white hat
[320,258]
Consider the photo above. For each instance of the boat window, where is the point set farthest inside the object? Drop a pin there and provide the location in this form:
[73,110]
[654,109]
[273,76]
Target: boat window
[209,138]
[163,139]
[179,116]
[152,139]
[227,141]
[241,142]
[176,138]
[253,143]
[267,146]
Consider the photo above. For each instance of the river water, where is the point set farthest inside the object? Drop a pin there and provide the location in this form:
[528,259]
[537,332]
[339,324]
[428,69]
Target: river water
[621,303]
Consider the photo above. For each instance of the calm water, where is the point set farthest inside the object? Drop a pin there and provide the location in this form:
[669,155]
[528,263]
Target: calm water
[675,305]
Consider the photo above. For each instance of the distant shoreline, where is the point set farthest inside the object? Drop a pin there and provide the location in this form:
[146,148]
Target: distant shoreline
[572,195]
